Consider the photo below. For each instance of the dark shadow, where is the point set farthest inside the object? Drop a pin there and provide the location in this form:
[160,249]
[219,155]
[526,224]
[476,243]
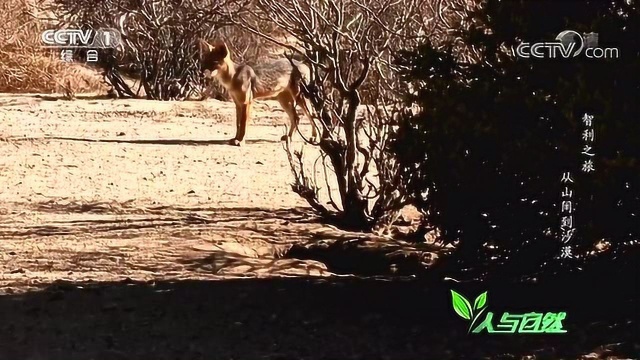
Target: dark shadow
[162,141]
[99,226]
[367,257]
[218,261]
[147,141]
[126,217]
[306,318]
[120,208]
[76,97]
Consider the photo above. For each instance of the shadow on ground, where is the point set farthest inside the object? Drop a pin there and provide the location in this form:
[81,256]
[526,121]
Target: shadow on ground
[283,318]
[103,217]
[147,141]
[306,318]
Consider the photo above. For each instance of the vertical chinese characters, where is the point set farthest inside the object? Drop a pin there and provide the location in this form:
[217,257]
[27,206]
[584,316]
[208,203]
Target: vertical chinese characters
[567,229]
[588,136]
[567,206]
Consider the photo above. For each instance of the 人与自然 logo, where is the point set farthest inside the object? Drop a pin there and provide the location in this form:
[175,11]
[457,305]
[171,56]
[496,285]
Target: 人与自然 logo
[508,323]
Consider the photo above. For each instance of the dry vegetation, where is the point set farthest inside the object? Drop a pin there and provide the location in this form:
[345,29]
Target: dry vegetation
[27,68]
[351,48]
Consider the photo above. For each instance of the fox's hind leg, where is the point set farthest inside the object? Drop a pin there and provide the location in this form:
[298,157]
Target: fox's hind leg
[288,104]
[304,105]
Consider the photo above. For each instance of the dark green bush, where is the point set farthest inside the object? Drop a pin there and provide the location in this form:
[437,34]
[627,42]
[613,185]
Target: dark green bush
[485,157]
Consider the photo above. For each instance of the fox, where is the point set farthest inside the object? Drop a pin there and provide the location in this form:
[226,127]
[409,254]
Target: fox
[276,79]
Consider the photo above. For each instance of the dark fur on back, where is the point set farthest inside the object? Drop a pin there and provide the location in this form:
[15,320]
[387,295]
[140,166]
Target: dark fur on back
[246,75]
[264,77]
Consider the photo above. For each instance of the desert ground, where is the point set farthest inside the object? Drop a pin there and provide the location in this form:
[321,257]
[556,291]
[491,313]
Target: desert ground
[130,230]
[106,190]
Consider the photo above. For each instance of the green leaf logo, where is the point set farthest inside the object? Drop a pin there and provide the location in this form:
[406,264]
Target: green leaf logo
[461,305]
[480,302]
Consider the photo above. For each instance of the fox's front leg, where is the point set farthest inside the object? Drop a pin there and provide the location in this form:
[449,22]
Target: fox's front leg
[243,112]
[239,110]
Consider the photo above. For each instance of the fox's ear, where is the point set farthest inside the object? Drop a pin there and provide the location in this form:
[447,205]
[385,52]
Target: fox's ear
[221,48]
[204,46]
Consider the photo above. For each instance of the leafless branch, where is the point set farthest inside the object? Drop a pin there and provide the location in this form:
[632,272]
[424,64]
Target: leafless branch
[350,48]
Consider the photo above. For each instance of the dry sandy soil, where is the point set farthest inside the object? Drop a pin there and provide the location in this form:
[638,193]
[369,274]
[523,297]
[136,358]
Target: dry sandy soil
[119,219]
[107,190]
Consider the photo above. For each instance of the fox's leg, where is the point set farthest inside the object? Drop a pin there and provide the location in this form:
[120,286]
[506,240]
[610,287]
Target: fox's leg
[287,103]
[239,115]
[243,103]
[242,117]
[304,105]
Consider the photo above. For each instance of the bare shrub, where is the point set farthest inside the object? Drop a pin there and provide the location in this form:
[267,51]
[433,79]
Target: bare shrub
[158,40]
[349,46]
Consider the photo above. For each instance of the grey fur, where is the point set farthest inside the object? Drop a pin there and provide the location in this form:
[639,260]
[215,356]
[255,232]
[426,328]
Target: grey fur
[276,73]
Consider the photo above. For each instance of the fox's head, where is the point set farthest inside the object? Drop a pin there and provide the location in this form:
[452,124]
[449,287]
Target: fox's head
[214,57]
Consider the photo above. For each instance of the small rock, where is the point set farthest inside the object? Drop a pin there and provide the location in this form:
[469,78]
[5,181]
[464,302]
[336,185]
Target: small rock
[121,134]
[590,356]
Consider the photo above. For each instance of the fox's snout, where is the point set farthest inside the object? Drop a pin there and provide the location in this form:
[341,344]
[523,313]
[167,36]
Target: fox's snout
[210,74]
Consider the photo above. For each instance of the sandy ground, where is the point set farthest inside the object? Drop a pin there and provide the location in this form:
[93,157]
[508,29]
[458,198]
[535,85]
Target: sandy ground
[112,189]
[119,218]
